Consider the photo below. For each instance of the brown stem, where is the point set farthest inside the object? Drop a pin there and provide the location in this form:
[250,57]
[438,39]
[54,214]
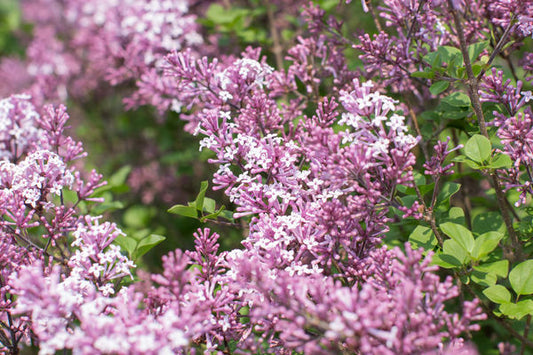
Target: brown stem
[373,13]
[423,146]
[526,332]
[276,48]
[464,191]
[428,217]
[498,47]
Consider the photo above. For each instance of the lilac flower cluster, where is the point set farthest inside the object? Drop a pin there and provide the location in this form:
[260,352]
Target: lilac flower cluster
[313,177]
[36,222]
[413,29]
[317,190]
[514,124]
[79,45]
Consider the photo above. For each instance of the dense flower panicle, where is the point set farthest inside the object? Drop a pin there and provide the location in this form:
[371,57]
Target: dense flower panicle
[105,324]
[35,170]
[315,189]
[514,125]
[18,119]
[502,12]
[435,166]
[318,198]
[316,314]
[516,136]
[527,64]
[80,45]
[493,88]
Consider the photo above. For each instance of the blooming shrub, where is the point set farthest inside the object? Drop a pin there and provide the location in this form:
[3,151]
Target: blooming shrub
[352,168]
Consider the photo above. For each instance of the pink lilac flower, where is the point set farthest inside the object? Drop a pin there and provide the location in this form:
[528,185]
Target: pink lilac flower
[35,170]
[80,45]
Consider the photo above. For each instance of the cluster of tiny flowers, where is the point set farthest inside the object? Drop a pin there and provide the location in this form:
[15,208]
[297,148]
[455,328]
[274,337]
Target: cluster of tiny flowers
[514,125]
[19,127]
[435,166]
[82,50]
[319,314]
[79,45]
[35,227]
[415,28]
[317,197]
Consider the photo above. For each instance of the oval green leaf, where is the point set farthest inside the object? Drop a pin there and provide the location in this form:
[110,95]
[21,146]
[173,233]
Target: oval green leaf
[478,148]
[439,87]
[521,278]
[485,243]
[459,234]
[498,294]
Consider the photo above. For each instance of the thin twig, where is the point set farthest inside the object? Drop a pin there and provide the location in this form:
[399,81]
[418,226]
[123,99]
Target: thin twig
[373,13]
[276,48]
[526,332]
[428,217]
[498,47]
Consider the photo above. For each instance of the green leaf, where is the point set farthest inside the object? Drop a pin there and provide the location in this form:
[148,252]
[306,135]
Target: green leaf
[448,53]
[199,202]
[456,215]
[300,85]
[521,278]
[476,69]
[423,74]
[501,161]
[487,222]
[137,216]
[483,278]
[478,148]
[498,294]
[485,243]
[120,176]
[438,260]
[423,237]
[209,205]
[433,59]
[106,207]
[213,215]
[126,243]
[453,253]
[517,310]
[455,65]
[499,268]
[447,191]
[219,15]
[460,234]
[474,50]
[439,87]
[457,99]
[186,211]
[147,244]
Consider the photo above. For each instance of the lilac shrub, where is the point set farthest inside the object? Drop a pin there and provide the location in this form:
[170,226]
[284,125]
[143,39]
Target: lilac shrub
[320,164]
[64,281]
[35,170]
[316,191]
